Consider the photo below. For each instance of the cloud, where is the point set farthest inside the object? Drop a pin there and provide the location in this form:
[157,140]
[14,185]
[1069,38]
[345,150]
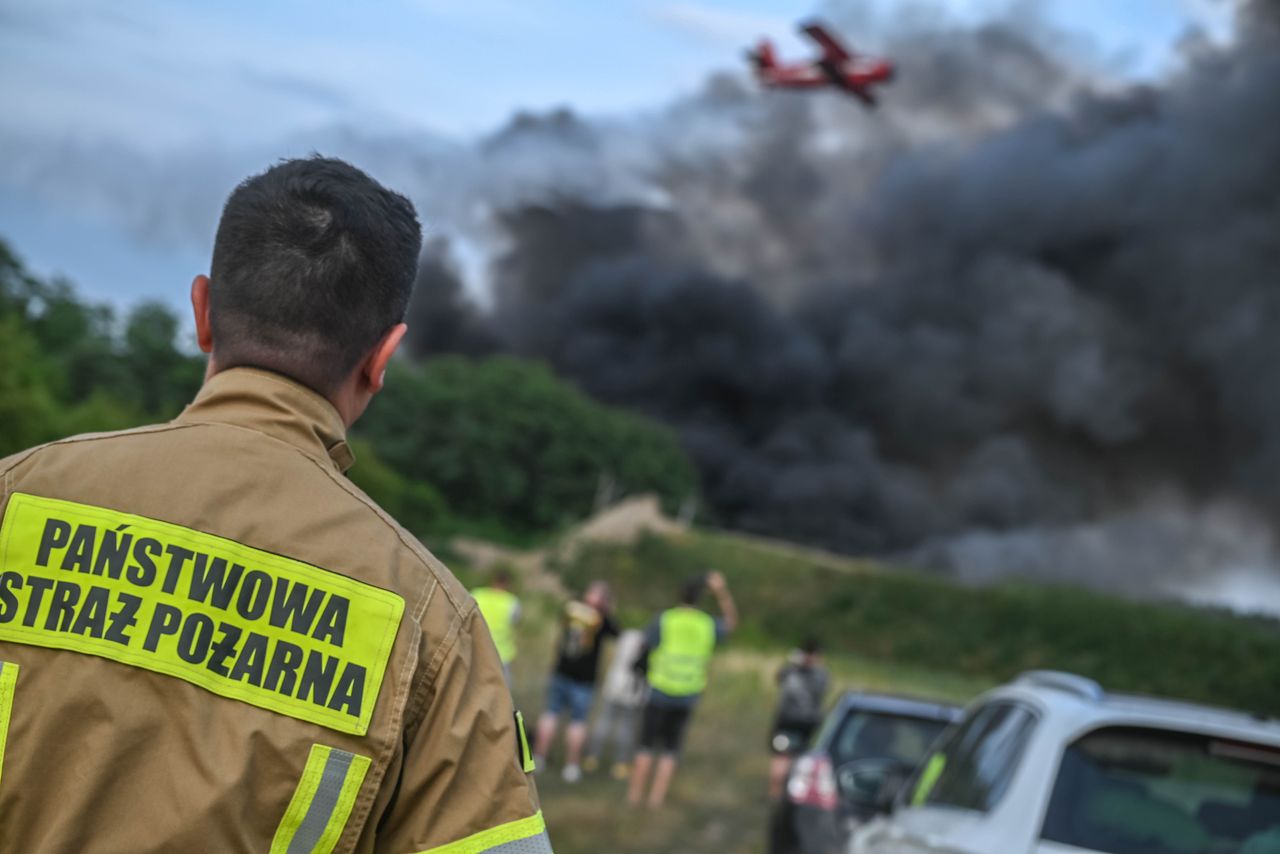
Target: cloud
[292,86]
[166,77]
[501,13]
[719,27]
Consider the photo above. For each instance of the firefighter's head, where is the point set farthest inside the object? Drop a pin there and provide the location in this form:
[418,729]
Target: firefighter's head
[313,266]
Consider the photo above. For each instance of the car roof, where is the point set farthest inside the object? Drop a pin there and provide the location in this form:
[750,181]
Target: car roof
[1181,710]
[1086,703]
[896,704]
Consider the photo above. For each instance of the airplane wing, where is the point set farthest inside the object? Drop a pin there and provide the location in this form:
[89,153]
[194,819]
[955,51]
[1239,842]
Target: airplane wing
[862,94]
[832,51]
[841,81]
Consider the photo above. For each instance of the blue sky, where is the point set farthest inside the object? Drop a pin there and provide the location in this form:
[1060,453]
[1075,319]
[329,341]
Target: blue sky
[145,77]
[155,74]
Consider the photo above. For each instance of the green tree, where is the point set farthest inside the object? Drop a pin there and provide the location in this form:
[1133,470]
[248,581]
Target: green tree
[65,369]
[28,414]
[413,504]
[504,439]
[501,446]
[163,378]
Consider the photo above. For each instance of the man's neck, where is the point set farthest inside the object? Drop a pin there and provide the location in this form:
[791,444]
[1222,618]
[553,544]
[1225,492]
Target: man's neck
[347,400]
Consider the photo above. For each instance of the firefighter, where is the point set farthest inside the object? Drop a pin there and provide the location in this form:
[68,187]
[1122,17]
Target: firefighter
[210,640]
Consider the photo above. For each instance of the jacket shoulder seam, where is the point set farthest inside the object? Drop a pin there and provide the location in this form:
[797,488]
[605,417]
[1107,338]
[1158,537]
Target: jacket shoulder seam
[415,708]
[430,563]
[427,561]
[22,456]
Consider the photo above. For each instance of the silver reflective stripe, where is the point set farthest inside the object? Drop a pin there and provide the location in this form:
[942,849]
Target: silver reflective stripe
[322,803]
[540,844]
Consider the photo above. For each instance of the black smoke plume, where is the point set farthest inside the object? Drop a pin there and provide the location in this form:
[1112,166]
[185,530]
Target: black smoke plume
[441,318]
[1015,321]
[1021,318]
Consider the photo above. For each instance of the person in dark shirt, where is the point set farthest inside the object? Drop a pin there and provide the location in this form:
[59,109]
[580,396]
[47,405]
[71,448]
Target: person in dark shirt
[802,688]
[584,624]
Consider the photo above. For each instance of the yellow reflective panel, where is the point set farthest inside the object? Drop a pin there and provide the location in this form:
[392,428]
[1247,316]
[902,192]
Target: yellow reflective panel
[8,683]
[526,756]
[531,831]
[238,621]
[928,778]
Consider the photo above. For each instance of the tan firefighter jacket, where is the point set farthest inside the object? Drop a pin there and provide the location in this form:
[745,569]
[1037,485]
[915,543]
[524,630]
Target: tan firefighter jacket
[211,641]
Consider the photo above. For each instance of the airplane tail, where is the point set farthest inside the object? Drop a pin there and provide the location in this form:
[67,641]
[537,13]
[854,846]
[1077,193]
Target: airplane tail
[763,57]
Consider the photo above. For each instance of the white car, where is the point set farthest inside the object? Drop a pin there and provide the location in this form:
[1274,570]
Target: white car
[1052,764]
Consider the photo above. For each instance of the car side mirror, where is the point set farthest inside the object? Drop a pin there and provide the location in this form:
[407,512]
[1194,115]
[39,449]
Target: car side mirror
[873,784]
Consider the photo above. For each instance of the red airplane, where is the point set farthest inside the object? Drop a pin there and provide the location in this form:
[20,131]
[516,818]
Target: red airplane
[836,67]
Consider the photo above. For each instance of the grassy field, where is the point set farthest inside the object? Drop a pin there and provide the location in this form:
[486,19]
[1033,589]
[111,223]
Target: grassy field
[717,803]
[885,630]
[990,632]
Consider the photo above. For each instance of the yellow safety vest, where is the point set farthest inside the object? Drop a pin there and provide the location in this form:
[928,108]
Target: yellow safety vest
[678,667]
[498,607]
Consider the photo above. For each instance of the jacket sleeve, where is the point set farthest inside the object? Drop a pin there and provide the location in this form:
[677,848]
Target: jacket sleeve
[462,784]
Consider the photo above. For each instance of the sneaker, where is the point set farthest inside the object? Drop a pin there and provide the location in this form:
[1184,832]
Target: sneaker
[571,773]
[620,771]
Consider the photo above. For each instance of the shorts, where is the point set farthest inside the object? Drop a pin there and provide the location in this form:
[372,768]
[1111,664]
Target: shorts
[663,726]
[790,738]
[571,694]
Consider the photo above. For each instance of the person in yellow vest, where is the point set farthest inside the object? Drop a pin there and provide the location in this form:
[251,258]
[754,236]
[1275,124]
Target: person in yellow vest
[679,642]
[501,611]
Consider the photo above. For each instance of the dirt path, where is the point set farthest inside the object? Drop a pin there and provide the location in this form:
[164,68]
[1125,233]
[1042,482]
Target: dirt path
[622,523]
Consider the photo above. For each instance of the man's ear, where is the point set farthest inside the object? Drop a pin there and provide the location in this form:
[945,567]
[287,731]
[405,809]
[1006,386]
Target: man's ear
[200,306]
[375,366]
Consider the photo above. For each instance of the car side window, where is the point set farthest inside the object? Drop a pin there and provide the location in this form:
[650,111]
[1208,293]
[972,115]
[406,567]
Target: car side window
[1130,790]
[975,766]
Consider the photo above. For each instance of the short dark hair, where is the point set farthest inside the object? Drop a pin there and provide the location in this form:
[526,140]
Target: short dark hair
[812,645]
[313,262]
[691,591]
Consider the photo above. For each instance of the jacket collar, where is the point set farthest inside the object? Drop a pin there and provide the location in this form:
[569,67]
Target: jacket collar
[277,406]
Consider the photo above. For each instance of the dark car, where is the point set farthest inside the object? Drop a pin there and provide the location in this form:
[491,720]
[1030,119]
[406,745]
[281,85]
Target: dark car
[868,743]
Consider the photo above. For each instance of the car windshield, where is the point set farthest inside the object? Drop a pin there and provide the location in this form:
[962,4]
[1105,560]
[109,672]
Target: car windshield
[1129,790]
[879,735]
